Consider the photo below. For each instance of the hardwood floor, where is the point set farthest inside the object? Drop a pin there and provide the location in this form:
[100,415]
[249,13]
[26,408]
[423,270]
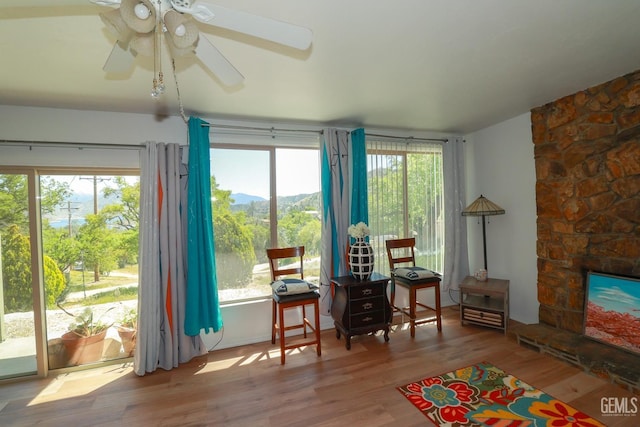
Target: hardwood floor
[247,386]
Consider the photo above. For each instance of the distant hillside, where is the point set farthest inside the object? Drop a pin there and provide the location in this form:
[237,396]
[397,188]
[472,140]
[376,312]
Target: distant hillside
[245,199]
[257,206]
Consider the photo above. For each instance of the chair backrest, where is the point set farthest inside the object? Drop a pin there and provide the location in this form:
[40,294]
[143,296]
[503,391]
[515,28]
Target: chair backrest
[277,255]
[401,251]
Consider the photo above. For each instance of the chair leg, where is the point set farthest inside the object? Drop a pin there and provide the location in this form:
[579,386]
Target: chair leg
[281,327]
[304,317]
[412,310]
[392,293]
[438,308]
[273,322]
[316,307]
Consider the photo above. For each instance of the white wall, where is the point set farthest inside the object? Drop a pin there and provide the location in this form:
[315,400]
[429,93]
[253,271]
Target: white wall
[90,127]
[500,165]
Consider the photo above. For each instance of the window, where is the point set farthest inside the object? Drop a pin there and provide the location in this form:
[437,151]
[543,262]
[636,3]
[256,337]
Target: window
[90,244]
[405,186]
[262,197]
[85,249]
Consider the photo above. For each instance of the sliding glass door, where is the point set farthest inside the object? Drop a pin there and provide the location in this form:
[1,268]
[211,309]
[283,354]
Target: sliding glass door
[90,247]
[69,283]
[17,324]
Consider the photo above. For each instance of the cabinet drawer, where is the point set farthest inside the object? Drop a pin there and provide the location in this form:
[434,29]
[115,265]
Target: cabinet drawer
[367,319]
[480,316]
[366,291]
[365,305]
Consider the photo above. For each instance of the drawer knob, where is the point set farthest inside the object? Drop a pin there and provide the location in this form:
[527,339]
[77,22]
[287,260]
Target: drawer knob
[367,291]
[367,306]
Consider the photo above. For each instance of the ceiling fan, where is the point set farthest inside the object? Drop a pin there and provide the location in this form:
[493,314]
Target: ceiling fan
[140,24]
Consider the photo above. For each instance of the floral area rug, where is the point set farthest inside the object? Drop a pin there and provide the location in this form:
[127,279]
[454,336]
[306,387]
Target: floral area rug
[481,395]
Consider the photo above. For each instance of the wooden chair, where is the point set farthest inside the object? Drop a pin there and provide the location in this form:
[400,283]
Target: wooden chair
[401,251]
[283,302]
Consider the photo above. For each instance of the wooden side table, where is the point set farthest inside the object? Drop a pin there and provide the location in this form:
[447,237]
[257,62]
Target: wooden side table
[485,303]
[360,306]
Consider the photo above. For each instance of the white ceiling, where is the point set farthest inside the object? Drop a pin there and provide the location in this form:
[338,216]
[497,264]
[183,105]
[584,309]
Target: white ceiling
[438,65]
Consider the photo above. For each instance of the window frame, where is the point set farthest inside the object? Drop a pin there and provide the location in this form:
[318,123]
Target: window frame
[33,174]
[373,149]
[271,148]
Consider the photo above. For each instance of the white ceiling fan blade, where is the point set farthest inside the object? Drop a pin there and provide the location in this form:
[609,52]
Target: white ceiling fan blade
[120,59]
[217,63]
[247,23]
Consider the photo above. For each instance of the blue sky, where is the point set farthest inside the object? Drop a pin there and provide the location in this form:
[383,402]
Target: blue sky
[247,171]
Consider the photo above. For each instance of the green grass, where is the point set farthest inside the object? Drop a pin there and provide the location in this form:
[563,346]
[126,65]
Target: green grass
[117,286]
[76,280]
[116,295]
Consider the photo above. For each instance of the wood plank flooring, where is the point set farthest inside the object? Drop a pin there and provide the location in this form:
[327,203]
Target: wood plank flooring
[247,386]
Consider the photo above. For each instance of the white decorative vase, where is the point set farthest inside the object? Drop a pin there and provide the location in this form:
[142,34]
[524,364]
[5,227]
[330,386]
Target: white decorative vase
[361,259]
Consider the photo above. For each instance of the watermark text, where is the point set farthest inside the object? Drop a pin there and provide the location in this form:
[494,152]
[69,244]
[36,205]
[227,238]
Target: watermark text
[619,406]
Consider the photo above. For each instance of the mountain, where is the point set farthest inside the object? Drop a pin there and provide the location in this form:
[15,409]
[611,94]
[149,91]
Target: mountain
[245,199]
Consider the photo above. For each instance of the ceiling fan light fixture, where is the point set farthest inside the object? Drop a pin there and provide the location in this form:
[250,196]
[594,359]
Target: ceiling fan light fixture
[182,31]
[141,11]
[177,52]
[130,9]
[114,23]
[143,44]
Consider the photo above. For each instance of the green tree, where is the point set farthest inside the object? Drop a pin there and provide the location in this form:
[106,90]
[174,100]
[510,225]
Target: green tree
[54,282]
[60,247]
[97,243]
[14,208]
[424,173]
[310,237]
[16,271]
[235,257]
[124,216]
[126,213]
[386,196]
[297,228]
[16,274]
[14,203]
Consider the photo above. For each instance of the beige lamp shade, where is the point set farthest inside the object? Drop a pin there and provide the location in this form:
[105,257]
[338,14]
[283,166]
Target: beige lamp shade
[115,24]
[482,206]
[144,24]
[177,52]
[143,44]
[181,29]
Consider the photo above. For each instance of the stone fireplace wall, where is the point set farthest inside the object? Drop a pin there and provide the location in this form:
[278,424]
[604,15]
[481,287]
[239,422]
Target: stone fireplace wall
[587,157]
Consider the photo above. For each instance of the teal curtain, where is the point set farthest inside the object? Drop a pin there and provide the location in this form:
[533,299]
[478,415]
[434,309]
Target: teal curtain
[202,304]
[359,200]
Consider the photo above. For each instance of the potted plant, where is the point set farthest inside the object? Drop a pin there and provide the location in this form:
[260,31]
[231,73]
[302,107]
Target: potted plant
[84,341]
[127,328]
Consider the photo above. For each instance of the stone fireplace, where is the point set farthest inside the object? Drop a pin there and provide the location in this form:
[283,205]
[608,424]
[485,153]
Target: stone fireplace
[587,158]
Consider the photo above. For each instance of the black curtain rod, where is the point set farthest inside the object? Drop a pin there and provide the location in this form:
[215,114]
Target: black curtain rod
[272,129]
[409,138]
[78,145]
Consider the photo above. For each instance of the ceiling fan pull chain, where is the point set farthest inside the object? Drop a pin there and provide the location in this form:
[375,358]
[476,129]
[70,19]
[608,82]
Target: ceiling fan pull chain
[158,82]
[175,78]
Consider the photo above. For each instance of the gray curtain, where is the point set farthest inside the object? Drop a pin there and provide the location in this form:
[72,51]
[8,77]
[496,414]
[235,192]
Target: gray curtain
[456,259]
[161,341]
[334,149]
